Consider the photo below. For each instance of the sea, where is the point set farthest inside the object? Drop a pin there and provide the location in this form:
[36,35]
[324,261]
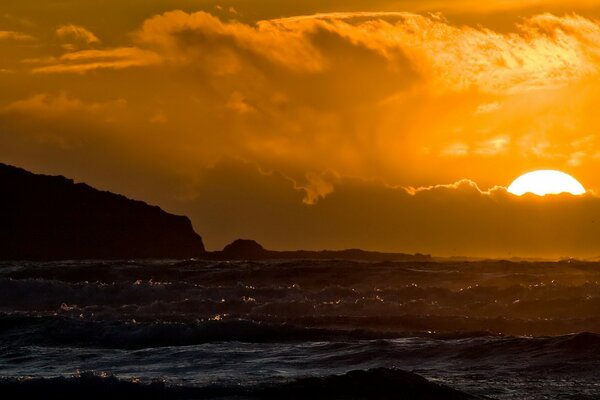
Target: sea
[217,329]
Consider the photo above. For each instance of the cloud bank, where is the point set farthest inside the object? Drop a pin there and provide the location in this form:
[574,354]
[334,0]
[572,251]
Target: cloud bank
[454,219]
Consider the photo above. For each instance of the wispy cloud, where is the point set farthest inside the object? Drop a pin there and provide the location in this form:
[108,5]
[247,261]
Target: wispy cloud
[46,105]
[87,60]
[77,34]
[12,35]
[545,51]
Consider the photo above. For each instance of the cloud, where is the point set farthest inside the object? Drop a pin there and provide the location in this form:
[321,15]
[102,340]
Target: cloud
[362,93]
[493,146]
[45,105]
[236,200]
[185,38]
[237,103]
[318,186]
[456,149]
[159,118]
[76,35]
[12,35]
[546,51]
[474,6]
[488,108]
[465,185]
[84,61]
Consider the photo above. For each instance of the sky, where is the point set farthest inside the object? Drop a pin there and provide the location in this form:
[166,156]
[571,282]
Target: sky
[392,126]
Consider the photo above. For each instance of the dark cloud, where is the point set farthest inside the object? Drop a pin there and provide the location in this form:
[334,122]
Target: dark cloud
[236,199]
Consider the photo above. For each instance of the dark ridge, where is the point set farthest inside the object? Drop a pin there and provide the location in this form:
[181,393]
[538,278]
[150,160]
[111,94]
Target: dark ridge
[244,249]
[52,218]
[380,383]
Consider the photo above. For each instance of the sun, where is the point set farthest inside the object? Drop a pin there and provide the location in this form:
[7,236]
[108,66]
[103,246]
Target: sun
[543,182]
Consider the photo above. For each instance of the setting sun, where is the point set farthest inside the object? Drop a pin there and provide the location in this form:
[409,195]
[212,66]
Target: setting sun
[545,182]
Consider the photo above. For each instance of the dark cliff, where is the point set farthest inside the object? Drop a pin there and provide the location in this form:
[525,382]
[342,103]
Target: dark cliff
[51,217]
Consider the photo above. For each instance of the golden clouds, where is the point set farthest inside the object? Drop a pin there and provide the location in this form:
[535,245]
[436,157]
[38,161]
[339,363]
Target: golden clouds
[76,35]
[364,94]
[544,52]
[44,105]
[475,6]
[12,35]
[186,38]
[389,94]
[88,60]
[48,122]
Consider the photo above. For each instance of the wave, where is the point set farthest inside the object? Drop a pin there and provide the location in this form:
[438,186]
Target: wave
[55,330]
[24,330]
[380,383]
[191,302]
[316,274]
[187,300]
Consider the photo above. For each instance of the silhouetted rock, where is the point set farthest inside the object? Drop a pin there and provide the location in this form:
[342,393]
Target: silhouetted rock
[50,217]
[244,249]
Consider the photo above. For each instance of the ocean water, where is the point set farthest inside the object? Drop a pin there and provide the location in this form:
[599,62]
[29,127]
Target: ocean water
[496,329]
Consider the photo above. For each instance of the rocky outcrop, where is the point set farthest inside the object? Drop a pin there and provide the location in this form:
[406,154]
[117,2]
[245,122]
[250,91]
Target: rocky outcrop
[245,249]
[51,217]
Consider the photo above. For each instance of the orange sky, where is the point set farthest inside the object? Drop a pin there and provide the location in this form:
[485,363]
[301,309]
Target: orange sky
[303,124]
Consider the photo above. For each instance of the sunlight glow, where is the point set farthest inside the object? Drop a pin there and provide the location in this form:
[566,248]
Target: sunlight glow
[545,182]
